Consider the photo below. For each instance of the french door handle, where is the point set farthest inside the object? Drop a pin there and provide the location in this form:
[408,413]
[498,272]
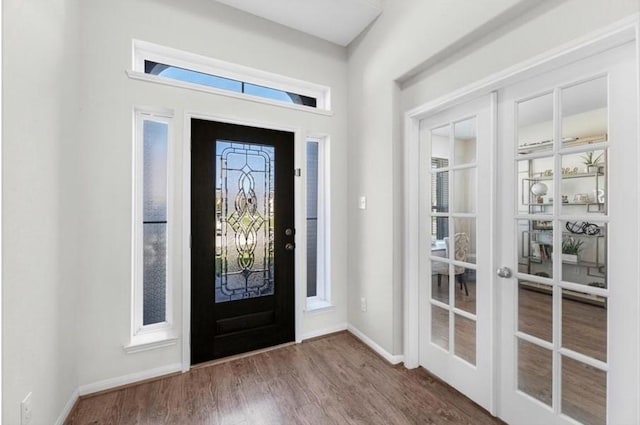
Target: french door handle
[289,246]
[504,272]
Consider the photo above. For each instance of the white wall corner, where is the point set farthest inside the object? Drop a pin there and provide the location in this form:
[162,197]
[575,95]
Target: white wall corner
[133,378]
[67,408]
[324,331]
[391,358]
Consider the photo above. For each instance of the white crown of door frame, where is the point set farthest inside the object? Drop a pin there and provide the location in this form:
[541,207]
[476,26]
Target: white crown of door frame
[625,30]
[300,265]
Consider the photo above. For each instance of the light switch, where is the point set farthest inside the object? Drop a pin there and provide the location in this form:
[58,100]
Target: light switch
[362,203]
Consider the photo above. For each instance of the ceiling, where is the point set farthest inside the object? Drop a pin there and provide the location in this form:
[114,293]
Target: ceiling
[338,21]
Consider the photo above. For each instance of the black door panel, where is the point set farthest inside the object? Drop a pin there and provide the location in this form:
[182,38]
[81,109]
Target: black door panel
[242,277]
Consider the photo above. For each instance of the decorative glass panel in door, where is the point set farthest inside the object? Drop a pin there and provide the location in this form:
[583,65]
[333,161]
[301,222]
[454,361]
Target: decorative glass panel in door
[244,221]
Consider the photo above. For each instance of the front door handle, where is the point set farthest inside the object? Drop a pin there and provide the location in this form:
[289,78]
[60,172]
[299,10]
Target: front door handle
[289,246]
[504,272]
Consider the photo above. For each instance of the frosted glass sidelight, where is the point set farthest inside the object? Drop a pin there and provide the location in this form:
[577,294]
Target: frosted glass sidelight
[154,211]
[245,184]
[154,273]
[155,171]
[312,219]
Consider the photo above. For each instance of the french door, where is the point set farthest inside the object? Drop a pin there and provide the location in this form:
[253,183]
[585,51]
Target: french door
[552,337]
[456,251]
[568,214]
[242,258]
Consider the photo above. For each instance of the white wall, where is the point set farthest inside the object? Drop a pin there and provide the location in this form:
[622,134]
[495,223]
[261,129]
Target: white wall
[108,96]
[406,34]
[415,52]
[40,239]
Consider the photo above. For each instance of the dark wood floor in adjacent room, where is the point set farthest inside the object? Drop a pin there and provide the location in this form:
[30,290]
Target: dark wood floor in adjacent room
[330,380]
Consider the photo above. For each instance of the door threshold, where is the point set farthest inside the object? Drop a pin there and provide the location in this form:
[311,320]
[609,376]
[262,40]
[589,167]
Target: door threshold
[241,356]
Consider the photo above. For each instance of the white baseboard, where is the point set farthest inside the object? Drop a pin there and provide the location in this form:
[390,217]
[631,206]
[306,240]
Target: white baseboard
[324,331]
[119,381]
[67,408]
[393,359]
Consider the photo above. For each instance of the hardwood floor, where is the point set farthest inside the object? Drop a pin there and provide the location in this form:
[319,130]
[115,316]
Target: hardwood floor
[330,380]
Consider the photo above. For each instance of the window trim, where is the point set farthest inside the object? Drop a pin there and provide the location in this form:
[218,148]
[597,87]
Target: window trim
[143,50]
[161,334]
[322,299]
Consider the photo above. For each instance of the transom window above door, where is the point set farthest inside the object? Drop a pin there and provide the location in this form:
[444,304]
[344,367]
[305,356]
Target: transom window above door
[165,65]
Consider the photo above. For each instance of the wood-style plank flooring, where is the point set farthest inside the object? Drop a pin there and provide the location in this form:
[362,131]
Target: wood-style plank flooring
[330,380]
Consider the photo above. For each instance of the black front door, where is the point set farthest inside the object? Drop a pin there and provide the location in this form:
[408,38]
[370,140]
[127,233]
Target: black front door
[242,258]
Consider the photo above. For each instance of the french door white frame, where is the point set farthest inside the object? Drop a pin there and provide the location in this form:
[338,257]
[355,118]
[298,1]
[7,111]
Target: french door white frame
[626,30]
[300,224]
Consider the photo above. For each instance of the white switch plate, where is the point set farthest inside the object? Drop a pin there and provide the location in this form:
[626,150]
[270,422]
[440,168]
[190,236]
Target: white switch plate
[363,304]
[362,203]
[26,410]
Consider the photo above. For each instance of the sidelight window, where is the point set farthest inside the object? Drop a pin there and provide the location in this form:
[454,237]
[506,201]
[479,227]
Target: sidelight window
[318,289]
[151,235]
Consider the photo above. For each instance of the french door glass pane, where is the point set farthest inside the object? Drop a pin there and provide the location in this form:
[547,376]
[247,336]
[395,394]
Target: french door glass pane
[584,186]
[465,338]
[584,392]
[535,186]
[585,113]
[440,327]
[465,142]
[440,281]
[535,309]
[465,239]
[535,247]
[245,216]
[535,124]
[464,183]
[440,202]
[584,253]
[440,146]
[465,290]
[439,234]
[535,366]
[584,324]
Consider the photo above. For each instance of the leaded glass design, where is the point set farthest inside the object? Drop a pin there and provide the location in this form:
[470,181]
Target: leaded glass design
[245,184]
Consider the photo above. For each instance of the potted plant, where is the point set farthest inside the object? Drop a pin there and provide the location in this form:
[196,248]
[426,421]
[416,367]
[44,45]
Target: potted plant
[570,250]
[592,162]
